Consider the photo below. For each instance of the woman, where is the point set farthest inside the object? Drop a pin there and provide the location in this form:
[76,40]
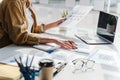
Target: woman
[14,26]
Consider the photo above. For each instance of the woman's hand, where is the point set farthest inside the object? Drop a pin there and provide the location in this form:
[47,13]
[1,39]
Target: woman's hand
[59,22]
[53,24]
[66,44]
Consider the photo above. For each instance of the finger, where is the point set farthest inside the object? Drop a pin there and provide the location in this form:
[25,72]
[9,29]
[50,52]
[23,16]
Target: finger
[61,20]
[64,19]
[67,46]
[71,43]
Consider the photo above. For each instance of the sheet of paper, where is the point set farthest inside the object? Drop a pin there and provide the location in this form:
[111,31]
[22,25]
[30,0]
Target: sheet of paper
[11,60]
[76,15]
[58,56]
[108,57]
[46,47]
[84,48]
[64,56]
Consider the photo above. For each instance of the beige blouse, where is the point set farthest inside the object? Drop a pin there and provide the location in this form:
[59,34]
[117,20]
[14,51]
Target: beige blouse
[14,25]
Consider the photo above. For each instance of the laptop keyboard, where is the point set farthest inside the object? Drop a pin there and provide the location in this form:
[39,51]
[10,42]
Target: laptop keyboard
[85,38]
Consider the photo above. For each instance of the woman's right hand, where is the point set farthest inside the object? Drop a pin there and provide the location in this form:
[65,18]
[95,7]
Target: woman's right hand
[68,44]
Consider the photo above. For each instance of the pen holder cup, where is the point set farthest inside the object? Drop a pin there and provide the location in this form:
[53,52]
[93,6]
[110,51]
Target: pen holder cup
[46,72]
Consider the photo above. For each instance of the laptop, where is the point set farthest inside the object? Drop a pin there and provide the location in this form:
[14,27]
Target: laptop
[106,29]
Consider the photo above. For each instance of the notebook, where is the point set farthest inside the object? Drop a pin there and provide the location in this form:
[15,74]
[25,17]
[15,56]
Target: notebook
[106,29]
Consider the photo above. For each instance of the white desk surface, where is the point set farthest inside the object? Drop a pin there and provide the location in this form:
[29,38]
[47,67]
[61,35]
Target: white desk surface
[103,71]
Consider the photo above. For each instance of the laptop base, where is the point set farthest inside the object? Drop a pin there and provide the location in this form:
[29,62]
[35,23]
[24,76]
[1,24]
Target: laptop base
[91,41]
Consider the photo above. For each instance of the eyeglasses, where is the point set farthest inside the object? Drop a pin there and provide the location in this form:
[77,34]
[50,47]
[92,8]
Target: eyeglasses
[83,64]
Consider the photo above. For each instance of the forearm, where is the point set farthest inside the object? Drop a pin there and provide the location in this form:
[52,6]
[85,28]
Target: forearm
[53,24]
[48,26]
[47,40]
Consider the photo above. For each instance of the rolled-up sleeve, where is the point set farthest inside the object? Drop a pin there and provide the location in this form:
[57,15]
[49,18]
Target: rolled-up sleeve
[17,26]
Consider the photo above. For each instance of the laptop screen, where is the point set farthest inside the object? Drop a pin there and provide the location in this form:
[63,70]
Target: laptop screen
[107,26]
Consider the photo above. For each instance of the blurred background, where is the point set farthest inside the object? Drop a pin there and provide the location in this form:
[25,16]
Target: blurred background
[104,5]
[112,6]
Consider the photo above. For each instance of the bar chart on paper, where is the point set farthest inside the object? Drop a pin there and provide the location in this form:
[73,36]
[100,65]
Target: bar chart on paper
[76,15]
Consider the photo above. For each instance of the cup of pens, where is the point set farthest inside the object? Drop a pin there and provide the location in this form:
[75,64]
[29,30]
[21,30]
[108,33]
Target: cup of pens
[46,72]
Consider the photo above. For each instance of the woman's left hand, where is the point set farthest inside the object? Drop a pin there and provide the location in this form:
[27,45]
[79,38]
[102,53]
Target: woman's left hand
[59,21]
[53,24]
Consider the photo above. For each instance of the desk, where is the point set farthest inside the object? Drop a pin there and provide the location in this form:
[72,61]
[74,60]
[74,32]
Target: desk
[103,71]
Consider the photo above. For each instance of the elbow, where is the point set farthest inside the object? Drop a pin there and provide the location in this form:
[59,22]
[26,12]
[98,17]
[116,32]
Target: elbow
[19,42]
[26,38]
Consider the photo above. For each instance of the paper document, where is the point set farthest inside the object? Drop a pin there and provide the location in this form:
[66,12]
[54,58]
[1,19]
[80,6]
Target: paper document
[108,57]
[47,47]
[63,56]
[76,15]
[35,63]
[84,48]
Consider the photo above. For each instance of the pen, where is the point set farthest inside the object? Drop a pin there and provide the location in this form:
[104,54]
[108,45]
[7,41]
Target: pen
[59,68]
[20,60]
[27,61]
[31,61]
